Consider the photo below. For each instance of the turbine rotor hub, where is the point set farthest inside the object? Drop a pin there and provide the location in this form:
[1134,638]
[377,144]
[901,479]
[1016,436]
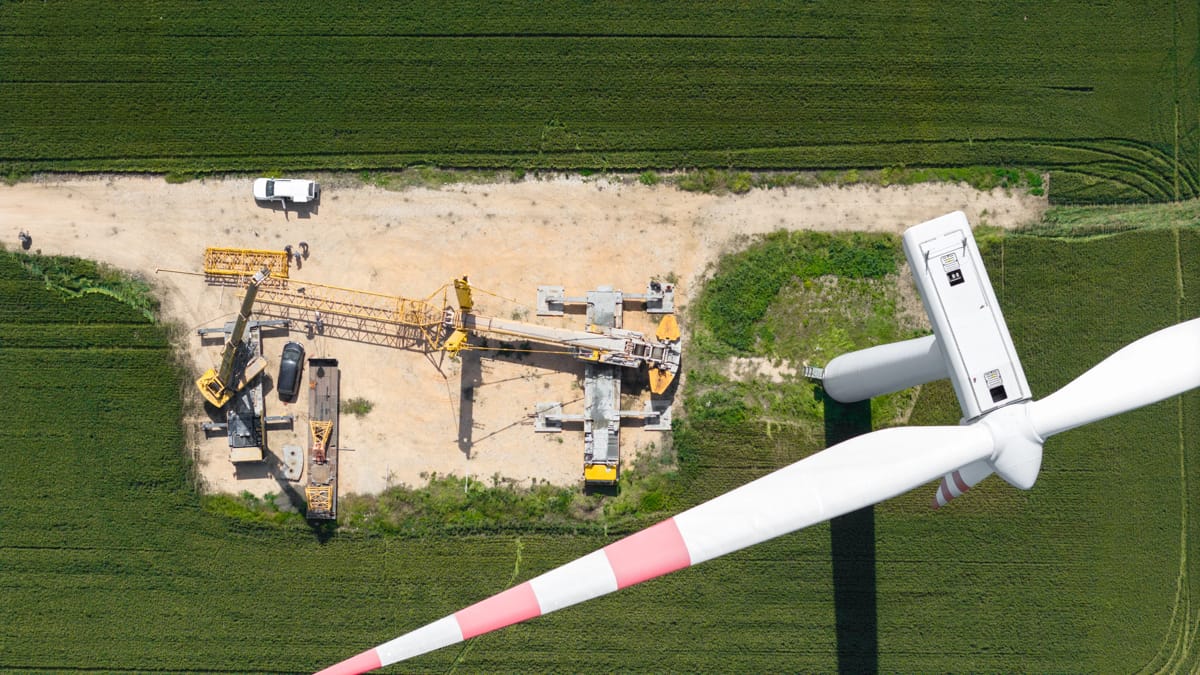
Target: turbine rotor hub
[1017,457]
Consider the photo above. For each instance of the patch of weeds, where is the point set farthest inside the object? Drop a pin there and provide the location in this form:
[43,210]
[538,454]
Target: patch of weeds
[357,406]
[13,174]
[77,277]
[178,177]
[252,510]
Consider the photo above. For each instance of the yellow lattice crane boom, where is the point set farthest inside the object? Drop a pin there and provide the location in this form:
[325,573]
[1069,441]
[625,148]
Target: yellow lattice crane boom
[364,312]
[320,497]
[348,302]
[320,500]
[235,263]
[320,430]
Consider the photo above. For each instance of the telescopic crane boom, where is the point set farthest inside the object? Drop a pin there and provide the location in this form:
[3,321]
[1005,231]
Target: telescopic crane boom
[598,344]
[214,384]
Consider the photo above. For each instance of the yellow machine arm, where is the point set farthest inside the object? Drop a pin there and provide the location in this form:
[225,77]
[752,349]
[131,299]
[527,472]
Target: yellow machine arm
[462,288]
[214,384]
[458,339]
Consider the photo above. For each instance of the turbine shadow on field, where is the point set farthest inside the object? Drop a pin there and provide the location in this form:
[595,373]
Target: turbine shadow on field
[852,545]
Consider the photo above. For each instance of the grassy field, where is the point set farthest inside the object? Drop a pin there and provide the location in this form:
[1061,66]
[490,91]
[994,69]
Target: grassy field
[1102,540]
[159,86]
[109,563]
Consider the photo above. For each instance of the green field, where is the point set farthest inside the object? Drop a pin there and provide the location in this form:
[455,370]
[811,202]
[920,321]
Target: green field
[1104,96]
[109,563]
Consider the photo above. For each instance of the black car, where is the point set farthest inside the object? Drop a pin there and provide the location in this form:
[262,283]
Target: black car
[290,365]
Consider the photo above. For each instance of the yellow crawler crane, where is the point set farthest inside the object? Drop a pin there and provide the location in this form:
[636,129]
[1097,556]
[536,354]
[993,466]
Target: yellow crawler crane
[218,385]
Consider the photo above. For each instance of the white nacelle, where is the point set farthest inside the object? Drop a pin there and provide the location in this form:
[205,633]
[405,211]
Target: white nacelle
[970,345]
[966,318]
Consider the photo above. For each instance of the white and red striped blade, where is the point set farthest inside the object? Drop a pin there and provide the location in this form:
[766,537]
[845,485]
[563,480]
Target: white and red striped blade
[1161,365]
[848,476]
[957,482]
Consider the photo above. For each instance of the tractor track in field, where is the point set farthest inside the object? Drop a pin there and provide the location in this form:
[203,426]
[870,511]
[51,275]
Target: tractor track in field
[1182,628]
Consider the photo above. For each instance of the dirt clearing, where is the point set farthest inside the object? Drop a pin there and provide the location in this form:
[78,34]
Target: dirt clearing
[508,238]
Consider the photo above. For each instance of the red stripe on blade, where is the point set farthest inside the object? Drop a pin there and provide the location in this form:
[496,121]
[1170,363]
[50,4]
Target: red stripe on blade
[959,482]
[650,553]
[366,661]
[503,609]
[945,489]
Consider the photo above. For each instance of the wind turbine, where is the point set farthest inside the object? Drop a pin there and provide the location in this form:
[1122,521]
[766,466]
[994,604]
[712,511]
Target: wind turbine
[1002,432]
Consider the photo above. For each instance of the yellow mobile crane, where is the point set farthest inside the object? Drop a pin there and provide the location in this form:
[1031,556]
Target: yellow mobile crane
[214,384]
[598,344]
[606,347]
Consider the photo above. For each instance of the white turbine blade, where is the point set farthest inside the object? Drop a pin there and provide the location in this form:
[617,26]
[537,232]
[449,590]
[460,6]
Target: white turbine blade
[1148,370]
[957,482]
[848,476]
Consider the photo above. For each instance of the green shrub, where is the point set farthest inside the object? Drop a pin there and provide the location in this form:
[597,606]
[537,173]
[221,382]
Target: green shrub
[357,406]
[746,283]
[177,177]
[741,182]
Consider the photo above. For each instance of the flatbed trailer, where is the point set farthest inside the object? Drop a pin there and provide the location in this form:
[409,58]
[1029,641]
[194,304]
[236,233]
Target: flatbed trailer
[324,381]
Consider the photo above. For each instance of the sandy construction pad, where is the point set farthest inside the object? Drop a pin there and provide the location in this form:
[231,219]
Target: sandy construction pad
[508,238]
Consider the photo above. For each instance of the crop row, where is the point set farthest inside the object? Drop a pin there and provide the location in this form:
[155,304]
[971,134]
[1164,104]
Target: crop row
[31,302]
[607,86]
[750,600]
[11,269]
[1071,182]
[457,17]
[820,20]
[85,336]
